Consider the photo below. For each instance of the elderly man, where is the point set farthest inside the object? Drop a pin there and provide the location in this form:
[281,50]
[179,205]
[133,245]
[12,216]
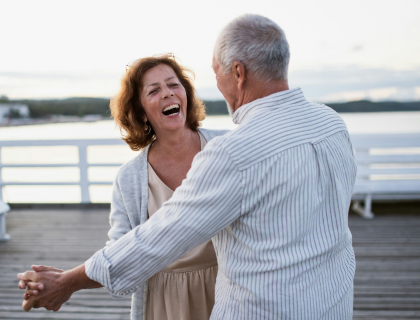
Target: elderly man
[273,195]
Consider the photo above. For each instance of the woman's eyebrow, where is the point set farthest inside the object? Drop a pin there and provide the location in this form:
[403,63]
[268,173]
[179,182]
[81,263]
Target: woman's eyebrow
[157,83]
[153,84]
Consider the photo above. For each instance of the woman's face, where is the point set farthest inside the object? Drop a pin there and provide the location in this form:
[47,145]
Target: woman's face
[164,99]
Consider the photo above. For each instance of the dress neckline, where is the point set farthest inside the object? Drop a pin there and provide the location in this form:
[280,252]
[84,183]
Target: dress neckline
[203,143]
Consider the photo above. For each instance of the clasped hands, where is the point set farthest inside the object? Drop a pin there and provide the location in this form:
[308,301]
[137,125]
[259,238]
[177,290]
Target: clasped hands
[50,287]
[44,287]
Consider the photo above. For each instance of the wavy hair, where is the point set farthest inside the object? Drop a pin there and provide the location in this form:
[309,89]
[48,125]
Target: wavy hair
[128,112]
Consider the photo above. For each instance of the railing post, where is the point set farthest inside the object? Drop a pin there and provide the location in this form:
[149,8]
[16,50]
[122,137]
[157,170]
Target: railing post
[4,208]
[368,206]
[83,167]
[1,180]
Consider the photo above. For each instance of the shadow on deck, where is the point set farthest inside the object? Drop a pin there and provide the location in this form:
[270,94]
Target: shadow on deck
[387,282]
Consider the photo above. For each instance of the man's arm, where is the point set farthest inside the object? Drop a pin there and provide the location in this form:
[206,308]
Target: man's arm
[206,202]
[120,225]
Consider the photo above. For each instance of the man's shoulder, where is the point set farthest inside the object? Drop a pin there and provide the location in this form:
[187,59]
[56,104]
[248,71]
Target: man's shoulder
[274,130]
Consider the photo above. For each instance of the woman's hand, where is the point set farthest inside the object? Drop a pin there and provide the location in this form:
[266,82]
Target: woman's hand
[33,288]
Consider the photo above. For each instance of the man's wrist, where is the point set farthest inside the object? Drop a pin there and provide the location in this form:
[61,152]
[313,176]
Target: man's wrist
[75,279]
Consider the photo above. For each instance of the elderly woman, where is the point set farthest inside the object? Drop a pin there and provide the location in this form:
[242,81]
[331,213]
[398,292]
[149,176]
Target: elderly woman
[158,112]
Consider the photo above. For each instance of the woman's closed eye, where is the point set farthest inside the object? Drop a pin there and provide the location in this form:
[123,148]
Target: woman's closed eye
[153,91]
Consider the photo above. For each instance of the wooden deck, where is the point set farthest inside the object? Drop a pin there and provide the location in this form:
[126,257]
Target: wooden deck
[387,282]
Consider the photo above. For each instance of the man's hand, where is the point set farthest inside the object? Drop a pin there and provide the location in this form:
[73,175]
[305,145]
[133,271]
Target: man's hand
[49,287]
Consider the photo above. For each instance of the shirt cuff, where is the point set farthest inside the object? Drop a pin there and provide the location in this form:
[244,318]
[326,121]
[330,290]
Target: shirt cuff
[97,268]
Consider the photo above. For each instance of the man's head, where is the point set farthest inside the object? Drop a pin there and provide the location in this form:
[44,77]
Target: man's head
[251,54]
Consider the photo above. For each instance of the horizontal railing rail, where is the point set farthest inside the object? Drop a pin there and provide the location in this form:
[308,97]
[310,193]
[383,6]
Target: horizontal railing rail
[362,144]
[388,168]
[83,165]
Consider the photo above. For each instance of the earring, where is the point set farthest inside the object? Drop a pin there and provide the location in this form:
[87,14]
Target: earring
[147,129]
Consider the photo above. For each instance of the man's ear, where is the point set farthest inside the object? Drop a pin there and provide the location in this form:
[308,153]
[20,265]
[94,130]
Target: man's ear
[239,73]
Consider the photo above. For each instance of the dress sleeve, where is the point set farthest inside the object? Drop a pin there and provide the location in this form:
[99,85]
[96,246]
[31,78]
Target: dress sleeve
[207,201]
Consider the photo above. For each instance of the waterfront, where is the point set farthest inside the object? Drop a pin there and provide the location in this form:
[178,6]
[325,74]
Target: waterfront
[374,122]
[357,123]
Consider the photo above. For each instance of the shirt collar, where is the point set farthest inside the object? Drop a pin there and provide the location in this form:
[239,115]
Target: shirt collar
[277,98]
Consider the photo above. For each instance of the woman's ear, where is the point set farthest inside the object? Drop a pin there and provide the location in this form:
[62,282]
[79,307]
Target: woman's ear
[144,119]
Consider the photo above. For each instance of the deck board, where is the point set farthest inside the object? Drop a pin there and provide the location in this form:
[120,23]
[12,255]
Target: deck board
[387,281]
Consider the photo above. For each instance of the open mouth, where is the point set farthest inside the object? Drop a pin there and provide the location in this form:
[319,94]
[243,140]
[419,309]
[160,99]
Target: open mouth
[171,110]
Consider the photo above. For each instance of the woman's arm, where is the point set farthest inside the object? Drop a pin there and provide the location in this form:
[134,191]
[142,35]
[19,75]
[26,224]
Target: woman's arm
[120,225]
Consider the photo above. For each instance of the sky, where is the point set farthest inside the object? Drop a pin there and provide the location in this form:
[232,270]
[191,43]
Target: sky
[340,50]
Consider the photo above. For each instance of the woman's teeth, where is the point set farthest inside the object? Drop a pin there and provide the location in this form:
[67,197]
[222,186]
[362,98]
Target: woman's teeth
[171,110]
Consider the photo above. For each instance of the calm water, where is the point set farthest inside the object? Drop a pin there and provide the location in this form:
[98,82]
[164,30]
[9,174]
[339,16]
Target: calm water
[387,122]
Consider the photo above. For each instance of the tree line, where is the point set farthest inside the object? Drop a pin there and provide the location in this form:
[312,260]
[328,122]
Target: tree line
[100,106]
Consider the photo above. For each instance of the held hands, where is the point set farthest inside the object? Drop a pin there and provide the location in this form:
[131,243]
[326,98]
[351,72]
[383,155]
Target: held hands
[50,287]
[44,288]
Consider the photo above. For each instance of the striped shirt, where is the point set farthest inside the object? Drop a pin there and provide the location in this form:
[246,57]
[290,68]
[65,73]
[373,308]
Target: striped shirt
[273,194]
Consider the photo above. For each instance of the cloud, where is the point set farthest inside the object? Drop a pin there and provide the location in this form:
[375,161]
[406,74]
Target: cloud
[350,83]
[58,76]
[19,85]
[210,93]
[357,48]
[355,83]
[323,84]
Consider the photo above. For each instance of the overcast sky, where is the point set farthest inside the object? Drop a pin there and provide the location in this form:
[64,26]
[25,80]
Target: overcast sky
[340,50]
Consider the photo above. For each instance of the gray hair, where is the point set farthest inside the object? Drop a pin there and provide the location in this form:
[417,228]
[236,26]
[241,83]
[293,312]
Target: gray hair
[258,43]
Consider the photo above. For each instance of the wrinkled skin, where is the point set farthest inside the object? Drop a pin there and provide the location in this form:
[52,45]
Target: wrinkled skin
[50,287]
[34,293]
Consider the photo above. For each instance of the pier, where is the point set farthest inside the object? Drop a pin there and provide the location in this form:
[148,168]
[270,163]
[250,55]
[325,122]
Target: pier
[387,248]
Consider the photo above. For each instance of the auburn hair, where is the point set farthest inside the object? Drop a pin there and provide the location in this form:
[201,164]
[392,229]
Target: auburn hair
[128,112]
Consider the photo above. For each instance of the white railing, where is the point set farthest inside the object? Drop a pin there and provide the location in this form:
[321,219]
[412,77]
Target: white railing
[388,168]
[389,188]
[83,164]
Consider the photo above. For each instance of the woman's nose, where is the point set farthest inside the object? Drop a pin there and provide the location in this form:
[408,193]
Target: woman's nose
[167,93]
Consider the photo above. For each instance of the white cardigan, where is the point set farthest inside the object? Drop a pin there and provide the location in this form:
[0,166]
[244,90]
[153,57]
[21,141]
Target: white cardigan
[129,209]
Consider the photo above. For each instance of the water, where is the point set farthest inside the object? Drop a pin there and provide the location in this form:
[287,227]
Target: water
[387,122]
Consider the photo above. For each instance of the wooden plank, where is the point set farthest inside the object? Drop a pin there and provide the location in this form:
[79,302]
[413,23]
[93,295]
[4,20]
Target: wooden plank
[387,280]
[62,238]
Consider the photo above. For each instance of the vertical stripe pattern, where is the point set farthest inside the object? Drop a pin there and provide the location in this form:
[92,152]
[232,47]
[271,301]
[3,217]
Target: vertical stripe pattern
[274,196]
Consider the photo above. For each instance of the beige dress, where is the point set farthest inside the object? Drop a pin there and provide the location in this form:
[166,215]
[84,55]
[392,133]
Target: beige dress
[184,290]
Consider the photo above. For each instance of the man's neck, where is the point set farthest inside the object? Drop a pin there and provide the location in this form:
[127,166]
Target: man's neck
[258,90]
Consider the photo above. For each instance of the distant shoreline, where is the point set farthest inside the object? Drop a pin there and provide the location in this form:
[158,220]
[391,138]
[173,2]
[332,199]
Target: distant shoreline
[219,107]
[93,109]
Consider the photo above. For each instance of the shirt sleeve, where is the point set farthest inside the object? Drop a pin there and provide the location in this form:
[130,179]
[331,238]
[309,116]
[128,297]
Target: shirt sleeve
[207,201]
